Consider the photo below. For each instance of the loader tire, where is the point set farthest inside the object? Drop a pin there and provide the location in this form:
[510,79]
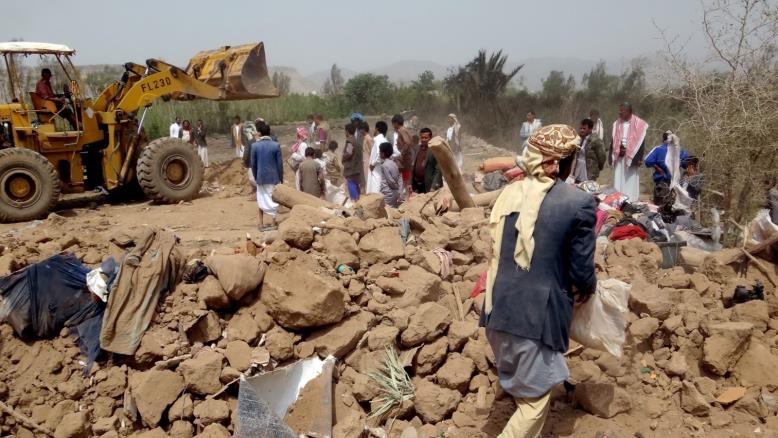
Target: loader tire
[29,185]
[169,170]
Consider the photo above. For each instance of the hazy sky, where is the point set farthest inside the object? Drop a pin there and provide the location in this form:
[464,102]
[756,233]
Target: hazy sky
[357,35]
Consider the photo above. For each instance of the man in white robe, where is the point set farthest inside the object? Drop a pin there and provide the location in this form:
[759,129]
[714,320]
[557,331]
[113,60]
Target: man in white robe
[374,177]
[628,143]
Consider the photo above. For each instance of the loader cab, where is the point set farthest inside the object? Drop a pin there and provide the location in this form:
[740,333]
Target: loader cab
[31,117]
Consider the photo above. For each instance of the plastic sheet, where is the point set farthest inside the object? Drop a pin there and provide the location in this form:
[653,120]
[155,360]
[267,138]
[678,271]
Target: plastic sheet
[264,400]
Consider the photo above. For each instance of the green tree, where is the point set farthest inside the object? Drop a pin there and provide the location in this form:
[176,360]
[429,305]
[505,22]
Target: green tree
[334,84]
[282,82]
[425,83]
[368,92]
[476,88]
[556,89]
[598,85]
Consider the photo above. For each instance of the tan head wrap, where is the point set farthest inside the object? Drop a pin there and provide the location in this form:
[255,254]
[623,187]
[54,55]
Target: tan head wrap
[545,148]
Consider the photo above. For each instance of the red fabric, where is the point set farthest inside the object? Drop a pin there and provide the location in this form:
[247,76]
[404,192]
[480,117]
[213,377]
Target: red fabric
[480,285]
[43,90]
[625,232]
[406,174]
[601,216]
[513,173]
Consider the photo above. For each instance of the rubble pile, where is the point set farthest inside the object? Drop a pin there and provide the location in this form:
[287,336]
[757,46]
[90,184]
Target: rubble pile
[351,286]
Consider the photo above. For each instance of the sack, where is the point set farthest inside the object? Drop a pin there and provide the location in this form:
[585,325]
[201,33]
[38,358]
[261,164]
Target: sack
[294,161]
[599,323]
[238,274]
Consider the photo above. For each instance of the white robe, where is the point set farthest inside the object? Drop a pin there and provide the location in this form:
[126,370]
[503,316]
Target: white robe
[374,177]
[626,180]
[625,177]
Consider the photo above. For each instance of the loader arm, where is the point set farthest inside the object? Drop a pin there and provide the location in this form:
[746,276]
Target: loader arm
[161,83]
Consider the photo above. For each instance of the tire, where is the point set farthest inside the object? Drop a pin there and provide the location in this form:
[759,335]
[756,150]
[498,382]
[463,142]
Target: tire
[169,170]
[29,185]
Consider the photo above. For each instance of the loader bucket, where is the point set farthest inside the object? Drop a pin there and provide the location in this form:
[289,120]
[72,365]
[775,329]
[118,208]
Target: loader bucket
[240,72]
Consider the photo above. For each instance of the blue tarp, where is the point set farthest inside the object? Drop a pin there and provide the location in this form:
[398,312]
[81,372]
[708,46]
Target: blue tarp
[41,299]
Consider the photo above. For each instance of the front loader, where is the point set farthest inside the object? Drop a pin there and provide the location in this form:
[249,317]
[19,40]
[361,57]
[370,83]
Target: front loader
[44,156]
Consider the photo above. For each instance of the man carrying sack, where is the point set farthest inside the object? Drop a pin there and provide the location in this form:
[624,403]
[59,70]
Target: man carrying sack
[543,250]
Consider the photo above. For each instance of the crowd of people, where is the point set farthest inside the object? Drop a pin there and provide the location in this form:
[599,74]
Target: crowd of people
[676,176]
[195,136]
[367,163]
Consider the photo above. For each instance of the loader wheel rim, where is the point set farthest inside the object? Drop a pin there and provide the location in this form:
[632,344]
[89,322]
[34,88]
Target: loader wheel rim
[20,187]
[176,171]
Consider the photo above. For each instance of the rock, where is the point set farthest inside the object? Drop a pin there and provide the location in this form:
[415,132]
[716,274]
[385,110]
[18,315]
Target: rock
[371,206]
[676,280]
[382,336]
[700,282]
[296,233]
[280,344]
[604,400]
[212,294]
[381,245]
[238,274]
[643,328]
[342,247]
[725,346]
[414,286]
[430,356]
[242,327]
[584,371]
[692,401]
[434,403]
[755,312]
[205,330]
[363,388]
[341,338]
[214,430]
[228,375]
[610,365]
[153,433]
[182,409]
[459,332]
[651,300]
[297,300]
[201,373]
[114,383]
[472,215]
[238,354]
[677,365]
[73,425]
[72,388]
[481,353]
[211,411]
[181,429]
[153,391]
[654,407]
[731,395]
[157,343]
[757,366]
[103,406]
[104,425]
[456,372]
[426,325]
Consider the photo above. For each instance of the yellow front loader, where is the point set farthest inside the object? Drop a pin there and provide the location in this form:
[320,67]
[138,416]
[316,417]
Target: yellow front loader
[103,145]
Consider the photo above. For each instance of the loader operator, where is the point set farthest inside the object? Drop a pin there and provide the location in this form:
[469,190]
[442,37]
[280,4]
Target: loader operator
[45,91]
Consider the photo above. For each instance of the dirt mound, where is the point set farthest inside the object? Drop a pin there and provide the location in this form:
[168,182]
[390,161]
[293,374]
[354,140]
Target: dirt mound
[227,173]
[693,358]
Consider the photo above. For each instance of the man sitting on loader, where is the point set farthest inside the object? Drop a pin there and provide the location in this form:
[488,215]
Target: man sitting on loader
[45,91]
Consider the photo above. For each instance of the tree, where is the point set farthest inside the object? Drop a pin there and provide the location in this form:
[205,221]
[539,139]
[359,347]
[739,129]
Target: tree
[334,84]
[732,113]
[368,92]
[598,85]
[282,82]
[425,83]
[557,89]
[476,88]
